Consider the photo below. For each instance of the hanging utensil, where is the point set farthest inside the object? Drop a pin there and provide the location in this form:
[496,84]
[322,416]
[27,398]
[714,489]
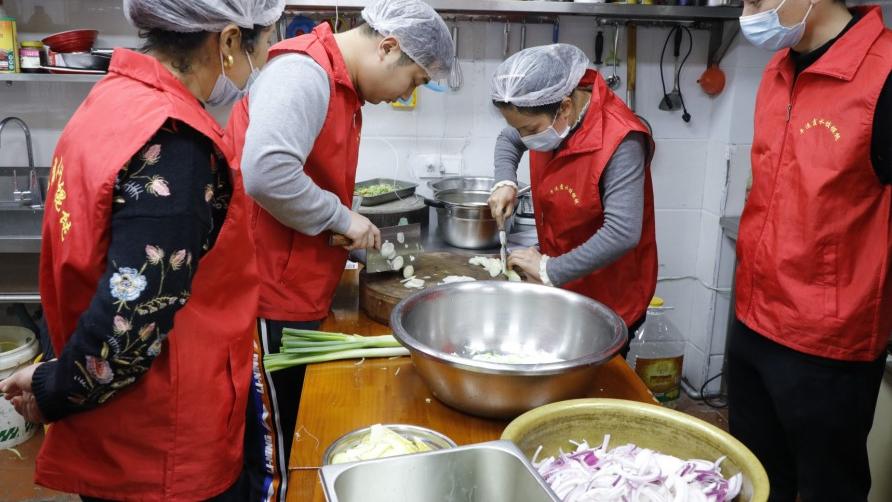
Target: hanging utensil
[599,50]
[507,37]
[613,81]
[523,35]
[631,64]
[556,31]
[712,81]
[456,79]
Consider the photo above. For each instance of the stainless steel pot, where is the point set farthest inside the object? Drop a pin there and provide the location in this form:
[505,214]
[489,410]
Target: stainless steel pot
[466,183]
[464,219]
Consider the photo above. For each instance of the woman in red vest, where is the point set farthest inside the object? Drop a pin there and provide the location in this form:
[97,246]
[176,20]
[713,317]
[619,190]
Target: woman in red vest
[590,171]
[297,135]
[814,280]
[148,276]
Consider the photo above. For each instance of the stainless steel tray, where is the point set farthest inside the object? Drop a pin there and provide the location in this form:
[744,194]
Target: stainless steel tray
[496,471]
[404,189]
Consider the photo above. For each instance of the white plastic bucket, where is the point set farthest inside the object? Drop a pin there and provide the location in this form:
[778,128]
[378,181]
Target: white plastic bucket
[18,347]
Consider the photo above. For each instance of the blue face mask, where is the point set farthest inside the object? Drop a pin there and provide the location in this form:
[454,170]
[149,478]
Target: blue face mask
[225,91]
[764,30]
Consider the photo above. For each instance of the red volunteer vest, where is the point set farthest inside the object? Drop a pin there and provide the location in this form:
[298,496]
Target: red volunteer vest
[299,273]
[568,203]
[816,233]
[177,433]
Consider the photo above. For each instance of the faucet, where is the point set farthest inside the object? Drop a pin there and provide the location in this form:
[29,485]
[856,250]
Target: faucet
[33,196]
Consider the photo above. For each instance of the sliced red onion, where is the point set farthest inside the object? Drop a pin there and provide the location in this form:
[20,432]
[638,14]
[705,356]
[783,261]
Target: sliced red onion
[628,473]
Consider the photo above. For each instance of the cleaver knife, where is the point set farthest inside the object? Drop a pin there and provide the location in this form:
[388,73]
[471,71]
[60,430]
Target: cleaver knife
[404,239]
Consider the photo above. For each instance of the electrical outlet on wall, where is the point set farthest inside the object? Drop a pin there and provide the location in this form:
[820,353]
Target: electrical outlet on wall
[433,165]
[451,165]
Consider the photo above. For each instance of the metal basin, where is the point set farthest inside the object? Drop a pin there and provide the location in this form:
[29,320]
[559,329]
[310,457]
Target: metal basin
[551,427]
[431,438]
[487,472]
[83,61]
[20,228]
[18,221]
[464,219]
[442,326]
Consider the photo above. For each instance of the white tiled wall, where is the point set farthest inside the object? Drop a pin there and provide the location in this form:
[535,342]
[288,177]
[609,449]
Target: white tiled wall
[699,171]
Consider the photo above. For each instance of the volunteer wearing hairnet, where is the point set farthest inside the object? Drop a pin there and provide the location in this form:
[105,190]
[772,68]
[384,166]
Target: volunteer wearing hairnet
[147,273]
[590,171]
[300,128]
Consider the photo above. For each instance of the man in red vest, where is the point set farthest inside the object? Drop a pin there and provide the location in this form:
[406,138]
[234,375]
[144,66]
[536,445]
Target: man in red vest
[298,138]
[814,286]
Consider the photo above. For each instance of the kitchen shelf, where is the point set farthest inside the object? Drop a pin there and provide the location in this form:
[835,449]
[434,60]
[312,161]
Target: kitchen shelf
[9,78]
[516,7]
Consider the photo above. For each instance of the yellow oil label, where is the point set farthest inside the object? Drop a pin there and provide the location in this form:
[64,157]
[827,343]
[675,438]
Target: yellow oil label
[9,51]
[662,376]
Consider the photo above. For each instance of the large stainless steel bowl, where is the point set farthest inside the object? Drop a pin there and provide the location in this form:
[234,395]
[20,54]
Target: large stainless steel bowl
[443,326]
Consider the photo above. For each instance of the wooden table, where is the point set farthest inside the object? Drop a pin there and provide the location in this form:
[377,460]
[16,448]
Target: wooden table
[341,396]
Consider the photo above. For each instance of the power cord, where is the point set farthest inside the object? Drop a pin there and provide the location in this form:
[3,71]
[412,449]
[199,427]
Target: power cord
[722,402]
[685,115]
[676,31]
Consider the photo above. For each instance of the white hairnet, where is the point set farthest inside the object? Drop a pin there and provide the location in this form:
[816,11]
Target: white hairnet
[539,75]
[201,15]
[422,33]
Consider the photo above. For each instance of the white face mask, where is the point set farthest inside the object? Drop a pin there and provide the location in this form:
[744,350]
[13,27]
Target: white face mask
[550,139]
[764,30]
[225,91]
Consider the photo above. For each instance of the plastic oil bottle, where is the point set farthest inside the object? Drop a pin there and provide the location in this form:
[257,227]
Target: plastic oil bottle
[657,353]
[9,47]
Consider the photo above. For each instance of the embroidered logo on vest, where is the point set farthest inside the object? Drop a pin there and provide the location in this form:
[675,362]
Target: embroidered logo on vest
[815,123]
[565,188]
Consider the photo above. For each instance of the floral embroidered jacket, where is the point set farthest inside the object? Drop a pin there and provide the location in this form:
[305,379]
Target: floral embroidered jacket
[169,203]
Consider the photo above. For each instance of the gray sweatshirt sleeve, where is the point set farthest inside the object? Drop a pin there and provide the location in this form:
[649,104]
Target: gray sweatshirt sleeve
[508,152]
[622,195]
[287,107]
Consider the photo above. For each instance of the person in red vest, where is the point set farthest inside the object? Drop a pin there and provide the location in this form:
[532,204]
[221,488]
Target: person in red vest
[814,278]
[297,135]
[148,277]
[591,183]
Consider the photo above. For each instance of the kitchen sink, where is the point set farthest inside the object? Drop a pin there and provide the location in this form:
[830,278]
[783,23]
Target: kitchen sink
[19,228]
[21,211]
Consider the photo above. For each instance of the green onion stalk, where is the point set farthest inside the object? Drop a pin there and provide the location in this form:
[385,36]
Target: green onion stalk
[302,346]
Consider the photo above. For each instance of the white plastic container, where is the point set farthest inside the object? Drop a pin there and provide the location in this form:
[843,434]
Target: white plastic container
[18,347]
[657,354]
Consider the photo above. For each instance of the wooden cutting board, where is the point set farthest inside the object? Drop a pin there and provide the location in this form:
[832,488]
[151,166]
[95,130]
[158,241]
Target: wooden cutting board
[379,293]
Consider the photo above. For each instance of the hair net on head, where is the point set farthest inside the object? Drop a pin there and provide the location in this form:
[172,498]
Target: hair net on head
[422,33]
[201,15]
[539,75]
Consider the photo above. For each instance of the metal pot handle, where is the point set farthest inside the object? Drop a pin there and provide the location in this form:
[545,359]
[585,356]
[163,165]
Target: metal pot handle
[434,203]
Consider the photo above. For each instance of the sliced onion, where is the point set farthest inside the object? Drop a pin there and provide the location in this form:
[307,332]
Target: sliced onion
[629,473]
